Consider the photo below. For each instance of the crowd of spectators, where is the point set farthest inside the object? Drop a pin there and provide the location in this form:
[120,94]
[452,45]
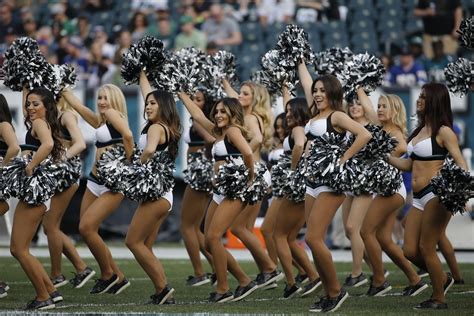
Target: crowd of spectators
[68,35]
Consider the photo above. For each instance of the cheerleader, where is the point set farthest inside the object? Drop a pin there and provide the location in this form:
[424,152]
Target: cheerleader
[227,126]
[255,103]
[355,207]
[42,142]
[195,198]
[291,217]
[428,146]
[58,242]
[321,202]
[98,201]
[161,133]
[381,216]
[8,147]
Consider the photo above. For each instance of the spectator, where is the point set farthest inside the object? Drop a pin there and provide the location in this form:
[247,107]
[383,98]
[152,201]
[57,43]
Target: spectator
[441,19]
[7,23]
[387,62]
[102,37]
[201,7]
[211,48]
[29,26]
[310,11]
[276,11]
[408,73]
[416,48]
[435,66]
[92,6]
[138,26]
[149,6]
[164,29]
[60,19]
[102,69]
[190,36]
[83,34]
[124,41]
[221,30]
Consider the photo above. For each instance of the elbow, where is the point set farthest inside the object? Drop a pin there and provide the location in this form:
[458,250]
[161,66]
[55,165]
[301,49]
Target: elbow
[128,137]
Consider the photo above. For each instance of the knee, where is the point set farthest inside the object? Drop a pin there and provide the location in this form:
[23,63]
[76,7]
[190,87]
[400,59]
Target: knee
[85,228]
[426,248]
[211,239]
[17,252]
[313,242]
[365,233]
[131,244]
[237,230]
[267,232]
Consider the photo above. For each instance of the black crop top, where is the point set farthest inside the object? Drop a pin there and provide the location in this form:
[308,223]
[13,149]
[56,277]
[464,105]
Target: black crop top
[3,148]
[31,143]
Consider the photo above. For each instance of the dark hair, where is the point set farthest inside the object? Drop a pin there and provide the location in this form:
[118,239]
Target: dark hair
[299,110]
[437,112]
[47,98]
[334,92]
[234,110]
[281,117]
[5,115]
[168,116]
[208,102]
[132,21]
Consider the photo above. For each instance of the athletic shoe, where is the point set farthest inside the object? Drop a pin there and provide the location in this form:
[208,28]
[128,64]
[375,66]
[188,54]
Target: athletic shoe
[102,286]
[459,282]
[3,292]
[301,278]
[163,297]
[290,292]
[333,304]
[270,286]
[215,297]
[416,289]
[449,282]
[319,305]
[386,273]
[431,304]
[311,287]
[4,285]
[422,273]
[265,278]
[197,280]
[379,290]
[40,305]
[118,287]
[213,278]
[59,281]
[243,292]
[357,281]
[82,277]
[56,297]
[170,301]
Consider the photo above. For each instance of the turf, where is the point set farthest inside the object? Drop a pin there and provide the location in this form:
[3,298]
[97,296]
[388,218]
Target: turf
[193,300]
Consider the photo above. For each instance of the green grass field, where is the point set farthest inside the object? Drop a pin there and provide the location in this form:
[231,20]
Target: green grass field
[193,300]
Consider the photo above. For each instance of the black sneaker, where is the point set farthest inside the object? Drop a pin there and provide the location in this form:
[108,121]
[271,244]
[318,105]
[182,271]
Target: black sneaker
[197,280]
[215,297]
[414,290]
[82,277]
[333,304]
[379,290]
[449,282]
[56,297]
[290,292]
[422,273]
[386,273]
[3,292]
[431,304]
[118,287]
[318,306]
[459,282]
[357,281]
[311,287]
[213,278]
[40,305]
[265,278]
[243,292]
[102,286]
[162,297]
[270,286]
[4,285]
[59,281]
[170,301]
[301,278]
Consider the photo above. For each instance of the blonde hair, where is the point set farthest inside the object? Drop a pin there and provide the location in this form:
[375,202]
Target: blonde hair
[261,107]
[115,98]
[397,109]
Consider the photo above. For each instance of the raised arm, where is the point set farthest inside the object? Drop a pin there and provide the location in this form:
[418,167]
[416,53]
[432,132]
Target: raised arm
[87,114]
[369,111]
[121,125]
[286,95]
[229,90]
[450,142]
[8,135]
[145,86]
[42,131]
[69,121]
[196,113]
[298,148]
[306,82]
[237,139]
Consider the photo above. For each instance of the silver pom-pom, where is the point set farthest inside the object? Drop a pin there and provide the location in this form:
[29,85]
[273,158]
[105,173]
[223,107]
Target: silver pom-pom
[200,172]
[364,70]
[293,43]
[381,144]
[216,68]
[383,178]
[279,175]
[69,172]
[274,64]
[466,32]
[459,76]
[332,61]
[231,179]
[110,168]
[266,79]
[295,189]
[259,187]
[4,192]
[454,186]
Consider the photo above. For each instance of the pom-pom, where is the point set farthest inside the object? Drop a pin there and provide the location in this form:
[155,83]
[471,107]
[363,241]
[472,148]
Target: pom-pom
[232,178]
[459,76]
[66,76]
[4,192]
[293,43]
[332,61]
[296,183]
[383,178]
[200,172]
[466,32]
[191,61]
[279,175]
[216,68]
[274,64]
[454,186]
[364,71]
[381,144]
[266,79]
[259,187]
[110,168]
[69,172]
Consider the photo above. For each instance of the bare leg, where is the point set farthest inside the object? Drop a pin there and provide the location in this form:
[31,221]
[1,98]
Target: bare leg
[268,228]
[3,208]
[411,238]
[447,250]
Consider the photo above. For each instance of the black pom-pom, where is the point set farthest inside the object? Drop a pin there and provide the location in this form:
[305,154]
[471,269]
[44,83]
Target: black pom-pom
[454,186]
[259,187]
[364,70]
[69,172]
[200,172]
[332,61]
[381,144]
[231,179]
[296,183]
[293,43]
[466,32]
[275,65]
[4,191]
[279,175]
[383,178]
[266,79]
[110,168]
[459,76]
[216,68]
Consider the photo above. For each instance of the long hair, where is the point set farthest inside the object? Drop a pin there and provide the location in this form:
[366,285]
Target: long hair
[334,93]
[168,116]
[208,102]
[47,98]
[233,109]
[5,115]
[115,98]
[437,110]
[282,117]
[397,108]
[261,107]
[299,110]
